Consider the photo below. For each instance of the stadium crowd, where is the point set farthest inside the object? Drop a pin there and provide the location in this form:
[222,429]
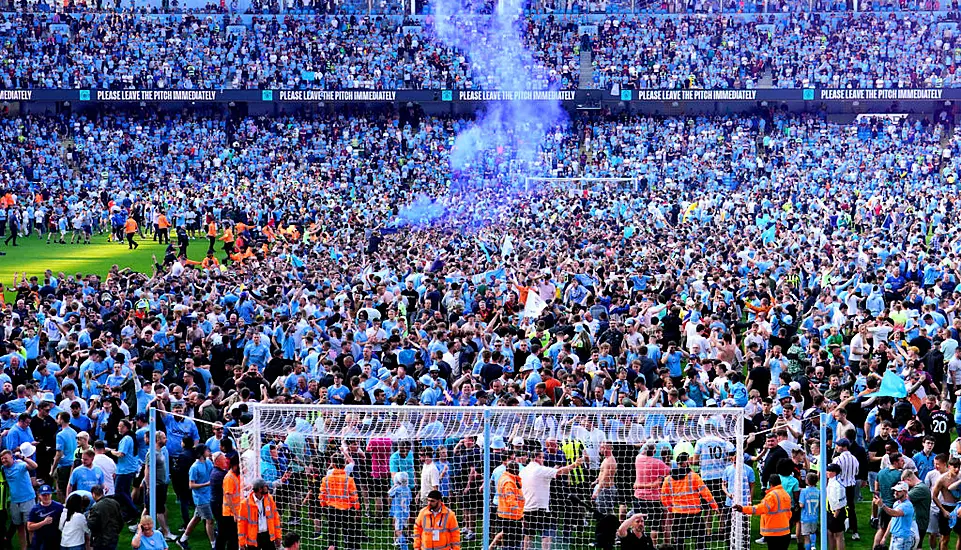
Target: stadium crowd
[779,263]
[148,52]
[792,50]
[393,7]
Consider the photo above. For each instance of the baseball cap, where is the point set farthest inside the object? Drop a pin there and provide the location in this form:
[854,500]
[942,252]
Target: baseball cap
[843,442]
[900,486]
[46,490]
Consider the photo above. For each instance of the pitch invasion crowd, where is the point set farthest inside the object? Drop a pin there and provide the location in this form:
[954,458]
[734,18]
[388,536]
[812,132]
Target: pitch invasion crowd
[777,263]
[788,50]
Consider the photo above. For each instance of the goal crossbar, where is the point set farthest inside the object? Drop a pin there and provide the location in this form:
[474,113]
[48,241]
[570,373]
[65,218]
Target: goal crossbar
[288,445]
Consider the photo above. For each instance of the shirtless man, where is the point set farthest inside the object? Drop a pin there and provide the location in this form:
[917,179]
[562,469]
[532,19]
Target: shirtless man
[946,501]
[931,479]
[605,493]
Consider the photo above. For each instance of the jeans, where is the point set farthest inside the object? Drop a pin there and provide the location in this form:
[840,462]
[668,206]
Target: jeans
[122,494]
[77,547]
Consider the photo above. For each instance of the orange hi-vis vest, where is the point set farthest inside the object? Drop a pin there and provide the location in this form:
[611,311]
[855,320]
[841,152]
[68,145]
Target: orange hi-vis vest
[436,530]
[163,222]
[228,236]
[775,512]
[247,520]
[130,226]
[683,496]
[339,491]
[510,498]
[231,507]
[212,229]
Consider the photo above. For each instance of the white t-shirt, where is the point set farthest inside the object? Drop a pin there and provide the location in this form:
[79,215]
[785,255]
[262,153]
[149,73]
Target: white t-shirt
[857,347]
[536,485]
[65,404]
[795,424]
[429,479]
[954,371]
[592,443]
[74,531]
[109,468]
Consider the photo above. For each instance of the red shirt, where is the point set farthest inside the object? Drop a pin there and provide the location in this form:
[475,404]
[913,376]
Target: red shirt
[379,449]
[650,472]
[551,385]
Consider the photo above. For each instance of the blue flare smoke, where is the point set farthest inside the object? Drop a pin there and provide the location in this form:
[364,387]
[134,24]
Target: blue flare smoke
[512,130]
[423,211]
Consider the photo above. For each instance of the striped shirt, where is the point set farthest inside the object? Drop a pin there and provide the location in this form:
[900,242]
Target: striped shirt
[849,468]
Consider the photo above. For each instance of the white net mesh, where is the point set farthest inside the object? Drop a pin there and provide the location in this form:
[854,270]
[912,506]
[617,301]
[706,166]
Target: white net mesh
[357,477]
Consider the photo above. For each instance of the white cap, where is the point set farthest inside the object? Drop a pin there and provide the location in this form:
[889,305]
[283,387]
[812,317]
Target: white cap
[900,486]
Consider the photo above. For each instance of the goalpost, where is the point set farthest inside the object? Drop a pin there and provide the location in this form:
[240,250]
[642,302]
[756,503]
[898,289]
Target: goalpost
[585,184]
[394,456]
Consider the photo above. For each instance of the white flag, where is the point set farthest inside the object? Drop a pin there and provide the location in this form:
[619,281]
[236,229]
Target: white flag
[534,305]
[507,247]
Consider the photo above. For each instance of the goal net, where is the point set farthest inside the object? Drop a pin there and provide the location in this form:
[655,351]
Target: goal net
[514,478]
[584,185]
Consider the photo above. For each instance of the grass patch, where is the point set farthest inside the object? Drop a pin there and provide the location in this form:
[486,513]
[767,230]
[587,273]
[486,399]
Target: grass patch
[33,256]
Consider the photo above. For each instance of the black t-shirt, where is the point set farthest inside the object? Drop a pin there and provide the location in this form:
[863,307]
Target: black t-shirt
[764,422]
[878,447]
[922,343]
[462,461]
[939,425]
[633,542]
[490,372]
[760,378]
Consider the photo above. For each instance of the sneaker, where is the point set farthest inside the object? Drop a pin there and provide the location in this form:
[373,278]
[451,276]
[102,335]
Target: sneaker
[760,541]
[469,535]
[317,536]
[132,528]
[855,536]
[171,537]
[182,544]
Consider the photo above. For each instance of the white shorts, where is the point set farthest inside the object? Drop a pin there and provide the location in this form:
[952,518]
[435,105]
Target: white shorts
[902,543]
[933,522]
[809,529]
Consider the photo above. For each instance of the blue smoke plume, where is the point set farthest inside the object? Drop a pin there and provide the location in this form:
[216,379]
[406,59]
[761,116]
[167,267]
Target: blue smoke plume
[500,60]
[423,211]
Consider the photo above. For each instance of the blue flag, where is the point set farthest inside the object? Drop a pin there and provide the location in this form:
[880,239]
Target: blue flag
[483,248]
[892,385]
[768,235]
